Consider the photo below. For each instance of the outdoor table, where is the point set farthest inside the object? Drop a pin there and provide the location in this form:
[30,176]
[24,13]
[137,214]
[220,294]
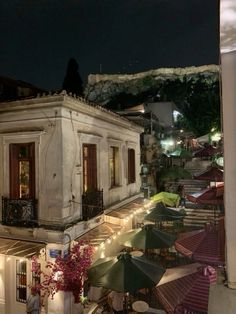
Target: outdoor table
[140,306]
[136,253]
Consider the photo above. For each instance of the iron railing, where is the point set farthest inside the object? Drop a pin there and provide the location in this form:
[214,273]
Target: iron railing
[19,212]
[92,204]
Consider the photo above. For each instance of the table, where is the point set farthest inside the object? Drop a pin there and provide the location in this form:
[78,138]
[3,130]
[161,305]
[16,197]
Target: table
[140,306]
[136,253]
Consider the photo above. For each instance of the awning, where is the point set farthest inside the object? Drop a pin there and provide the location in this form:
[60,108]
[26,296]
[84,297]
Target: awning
[125,210]
[20,248]
[100,233]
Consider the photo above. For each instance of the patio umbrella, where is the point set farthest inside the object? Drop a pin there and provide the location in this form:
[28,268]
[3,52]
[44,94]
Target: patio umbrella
[207,151]
[212,196]
[185,289]
[125,273]
[212,174]
[162,213]
[147,237]
[181,153]
[205,246]
[169,199]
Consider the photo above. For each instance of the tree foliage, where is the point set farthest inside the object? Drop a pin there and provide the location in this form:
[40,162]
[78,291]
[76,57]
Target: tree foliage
[66,273]
[197,97]
[198,100]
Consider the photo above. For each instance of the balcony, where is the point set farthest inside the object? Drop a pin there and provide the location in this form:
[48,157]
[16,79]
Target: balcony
[92,204]
[19,212]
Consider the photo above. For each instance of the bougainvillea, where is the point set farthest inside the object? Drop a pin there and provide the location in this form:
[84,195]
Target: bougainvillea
[66,273]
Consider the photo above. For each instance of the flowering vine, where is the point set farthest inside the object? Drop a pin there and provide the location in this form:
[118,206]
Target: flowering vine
[66,273]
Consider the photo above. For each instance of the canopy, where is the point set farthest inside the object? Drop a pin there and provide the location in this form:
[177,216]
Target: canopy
[212,174]
[181,153]
[206,245]
[185,289]
[125,273]
[212,196]
[147,237]
[207,151]
[169,199]
[162,213]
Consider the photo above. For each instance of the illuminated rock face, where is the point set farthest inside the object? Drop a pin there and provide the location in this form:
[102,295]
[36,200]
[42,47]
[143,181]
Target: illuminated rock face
[102,88]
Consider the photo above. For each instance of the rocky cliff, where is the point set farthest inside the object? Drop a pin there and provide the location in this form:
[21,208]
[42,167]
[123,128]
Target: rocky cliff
[103,88]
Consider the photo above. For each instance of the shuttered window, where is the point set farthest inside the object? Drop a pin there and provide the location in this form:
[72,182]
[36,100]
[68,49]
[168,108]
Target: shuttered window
[131,165]
[114,166]
[89,167]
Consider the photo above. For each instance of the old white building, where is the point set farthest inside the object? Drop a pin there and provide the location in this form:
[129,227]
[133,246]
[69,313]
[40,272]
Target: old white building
[62,163]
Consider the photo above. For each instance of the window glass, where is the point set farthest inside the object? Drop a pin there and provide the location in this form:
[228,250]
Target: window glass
[21,281]
[114,166]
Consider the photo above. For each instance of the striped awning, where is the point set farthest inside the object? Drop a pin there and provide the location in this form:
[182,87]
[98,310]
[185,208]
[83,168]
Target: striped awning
[206,246]
[100,233]
[188,291]
[20,248]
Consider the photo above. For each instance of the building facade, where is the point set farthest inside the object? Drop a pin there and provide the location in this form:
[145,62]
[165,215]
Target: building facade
[63,164]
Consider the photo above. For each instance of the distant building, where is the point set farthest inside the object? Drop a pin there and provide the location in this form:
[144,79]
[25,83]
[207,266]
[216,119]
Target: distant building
[11,89]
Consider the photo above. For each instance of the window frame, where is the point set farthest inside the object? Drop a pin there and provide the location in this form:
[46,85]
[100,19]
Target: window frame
[91,177]
[21,280]
[19,137]
[114,163]
[14,169]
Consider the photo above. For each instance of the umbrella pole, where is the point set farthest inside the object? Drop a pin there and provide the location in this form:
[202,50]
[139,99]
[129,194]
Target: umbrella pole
[126,303]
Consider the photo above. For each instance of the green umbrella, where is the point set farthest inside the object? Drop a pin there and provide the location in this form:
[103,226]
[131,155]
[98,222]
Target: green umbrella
[125,273]
[169,199]
[162,213]
[147,237]
[181,153]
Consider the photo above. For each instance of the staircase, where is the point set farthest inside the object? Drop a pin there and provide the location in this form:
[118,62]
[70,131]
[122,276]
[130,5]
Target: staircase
[197,215]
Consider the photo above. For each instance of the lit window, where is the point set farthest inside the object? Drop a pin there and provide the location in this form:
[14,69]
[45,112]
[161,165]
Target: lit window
[114,165]
[89,167]
[21,281]
[22,170]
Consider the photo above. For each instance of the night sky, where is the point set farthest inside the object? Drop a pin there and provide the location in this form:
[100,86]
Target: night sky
[113,36]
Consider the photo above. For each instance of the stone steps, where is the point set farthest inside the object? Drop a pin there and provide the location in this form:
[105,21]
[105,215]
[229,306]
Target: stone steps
[200,216]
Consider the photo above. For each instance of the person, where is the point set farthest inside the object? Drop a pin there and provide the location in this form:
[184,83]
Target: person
[181,192]
[116,299]
[33,302]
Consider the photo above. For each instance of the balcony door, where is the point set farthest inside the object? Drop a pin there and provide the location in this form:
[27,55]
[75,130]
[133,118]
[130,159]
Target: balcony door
[89,167]
[22,171]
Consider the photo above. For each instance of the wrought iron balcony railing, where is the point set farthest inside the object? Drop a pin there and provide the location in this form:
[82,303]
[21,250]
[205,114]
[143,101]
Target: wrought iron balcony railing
[19,212]
[92,204]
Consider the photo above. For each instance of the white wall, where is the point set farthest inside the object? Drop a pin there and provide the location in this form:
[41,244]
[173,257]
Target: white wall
[59,126]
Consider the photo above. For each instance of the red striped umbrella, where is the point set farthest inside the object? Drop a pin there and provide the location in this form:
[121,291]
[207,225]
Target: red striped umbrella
[207,151]
[185,289]
[206,246]
[212,196]
[212,174]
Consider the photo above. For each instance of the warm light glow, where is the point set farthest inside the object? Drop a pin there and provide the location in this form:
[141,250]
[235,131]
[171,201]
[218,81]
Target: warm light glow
[216,137]
[102,255]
